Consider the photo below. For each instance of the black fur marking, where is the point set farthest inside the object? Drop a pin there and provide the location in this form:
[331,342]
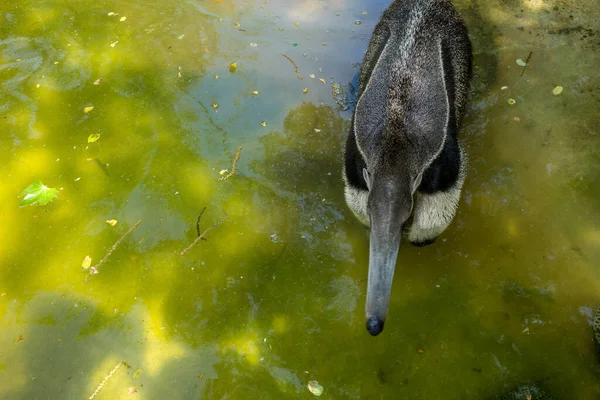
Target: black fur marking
[423,243]
[443,172]
[354,163]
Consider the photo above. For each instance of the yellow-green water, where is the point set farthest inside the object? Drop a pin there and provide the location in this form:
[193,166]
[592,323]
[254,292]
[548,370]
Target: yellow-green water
[503,298]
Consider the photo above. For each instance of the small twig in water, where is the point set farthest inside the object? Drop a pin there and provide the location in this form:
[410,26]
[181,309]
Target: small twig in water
[294,64]
[106,378]
[235,160]
[198,221]
[526,62]
[201,237]
[94,268]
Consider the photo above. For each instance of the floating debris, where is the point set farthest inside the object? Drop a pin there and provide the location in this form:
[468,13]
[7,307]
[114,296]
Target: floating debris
[215,105]
[112,222]
[295,66]
[263,123]
[312,76]
[358,22]
[339,95]
[201,237]
[323,81]
[305,90]
[274,238]
[87,262]
[114,44]
[93,137]
[521,63]
[123,19]
[233,67]
[255,92]
[253,44]
[106,378]
[557,90]
[93,270]
[180,37]
[511,102]
[97,81]
[315,388]
[233,166]
[88,109]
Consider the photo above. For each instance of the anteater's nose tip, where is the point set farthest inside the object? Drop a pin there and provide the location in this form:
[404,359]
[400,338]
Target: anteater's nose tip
[374,325]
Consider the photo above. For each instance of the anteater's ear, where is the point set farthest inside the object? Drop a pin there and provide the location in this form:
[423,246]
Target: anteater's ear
[368,178]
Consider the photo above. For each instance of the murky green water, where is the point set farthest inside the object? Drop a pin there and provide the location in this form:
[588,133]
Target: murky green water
[503,298]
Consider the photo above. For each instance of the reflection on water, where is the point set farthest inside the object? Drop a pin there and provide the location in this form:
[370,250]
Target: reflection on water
[274,297]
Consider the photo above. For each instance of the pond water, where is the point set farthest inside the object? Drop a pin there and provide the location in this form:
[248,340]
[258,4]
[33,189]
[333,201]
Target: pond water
[274,297]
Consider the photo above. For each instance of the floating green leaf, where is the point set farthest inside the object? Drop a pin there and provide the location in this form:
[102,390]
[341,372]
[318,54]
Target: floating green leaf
[180,37]
[521,62]
[93,137]
[232,67]
[512,102]
[557,90]
[38,193]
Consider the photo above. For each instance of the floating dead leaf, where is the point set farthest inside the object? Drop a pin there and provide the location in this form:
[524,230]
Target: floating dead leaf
[255,92]
[517,119]
[201,376]
[123,19]
[222,172]
[132,390]
[19,339]
[264,123]
[114,44]
[315,388]
[274,238]
[504,88]
[112,222]
[88,109]
[511,102]
[3,294]
[322,81]
[55,62]
[93,137]
[87,262]
[297,24]
[305,90]
[110,14]
[317,130]
[364,12]
[236,25]
[180,37]
[217,76]
[521,63]
[215,105]
[233,67]
[312,76]
[97,81]
[420,351]
[557,90]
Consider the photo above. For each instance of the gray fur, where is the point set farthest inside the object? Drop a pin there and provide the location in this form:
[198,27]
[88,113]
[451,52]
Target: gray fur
[412,95]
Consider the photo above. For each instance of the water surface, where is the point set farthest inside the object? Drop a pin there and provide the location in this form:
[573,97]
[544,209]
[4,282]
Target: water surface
[274,297]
